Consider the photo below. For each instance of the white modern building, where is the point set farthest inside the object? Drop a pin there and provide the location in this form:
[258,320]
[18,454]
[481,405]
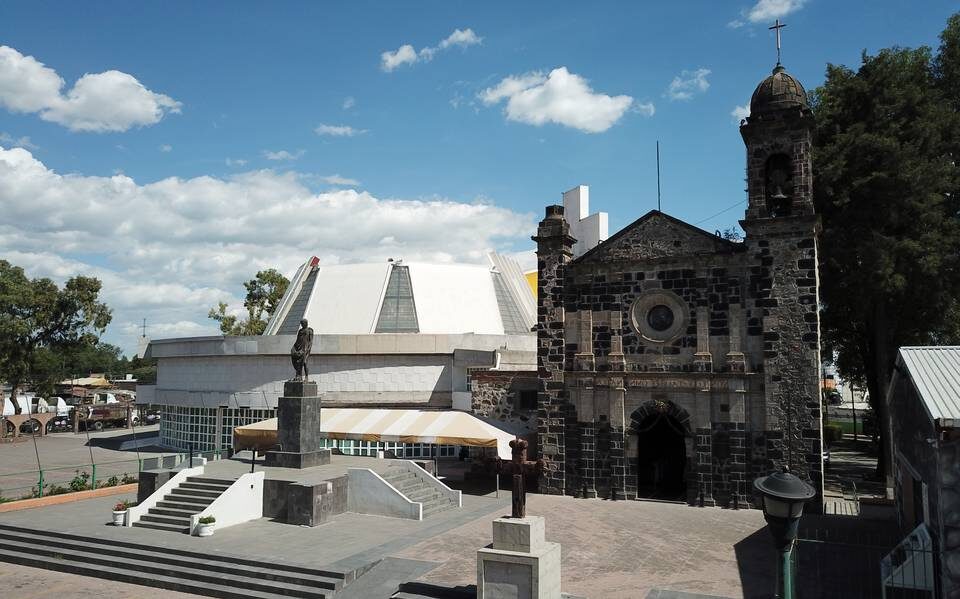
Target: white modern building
[588,229]
[389,335]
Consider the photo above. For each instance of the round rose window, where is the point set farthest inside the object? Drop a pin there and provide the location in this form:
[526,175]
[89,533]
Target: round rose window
[660,318]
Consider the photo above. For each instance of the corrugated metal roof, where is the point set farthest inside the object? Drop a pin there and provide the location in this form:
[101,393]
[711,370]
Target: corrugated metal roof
[935,372]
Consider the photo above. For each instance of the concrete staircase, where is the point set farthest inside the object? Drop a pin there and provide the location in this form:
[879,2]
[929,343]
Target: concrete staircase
[191,497]
[416,489]
[208,574]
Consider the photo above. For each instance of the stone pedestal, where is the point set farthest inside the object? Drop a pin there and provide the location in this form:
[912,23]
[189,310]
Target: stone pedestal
[298,428]
[520,564]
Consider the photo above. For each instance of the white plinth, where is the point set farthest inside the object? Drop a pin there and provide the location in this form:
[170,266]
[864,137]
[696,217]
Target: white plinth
[520,564]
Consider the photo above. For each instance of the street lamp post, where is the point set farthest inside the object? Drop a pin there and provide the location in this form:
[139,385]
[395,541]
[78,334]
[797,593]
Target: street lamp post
[784,496]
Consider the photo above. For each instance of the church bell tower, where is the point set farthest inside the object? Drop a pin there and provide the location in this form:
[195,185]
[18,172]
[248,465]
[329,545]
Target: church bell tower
[778,135]
[783,288]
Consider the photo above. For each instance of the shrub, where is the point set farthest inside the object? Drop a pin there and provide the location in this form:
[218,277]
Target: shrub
[832,433]
[126,479]
[5,499]
[113,481]
[80,482]
[123,505]
[207,520]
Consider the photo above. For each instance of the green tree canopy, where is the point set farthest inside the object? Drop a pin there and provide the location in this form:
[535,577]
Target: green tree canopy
[38,319]
[264,292]
[885,185]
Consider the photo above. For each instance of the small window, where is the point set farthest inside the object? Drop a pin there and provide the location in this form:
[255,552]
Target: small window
[527,400]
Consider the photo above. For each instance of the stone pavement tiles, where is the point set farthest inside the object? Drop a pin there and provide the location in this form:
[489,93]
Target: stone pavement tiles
[627,549]
[610,550]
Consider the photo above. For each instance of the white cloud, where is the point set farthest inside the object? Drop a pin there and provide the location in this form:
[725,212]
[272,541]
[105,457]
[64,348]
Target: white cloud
[338,130]
[178,246]
[688,84]
[736,24]
[349,102]
[407,54]
[166,148]
[645,108]
[98,102]
[463,38]
[18,142]
[740,112]
[236,162]
[338,180]
[767,10]
[283,155]
[560,97]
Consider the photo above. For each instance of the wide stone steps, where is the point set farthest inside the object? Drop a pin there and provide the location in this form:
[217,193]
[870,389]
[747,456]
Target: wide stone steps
[173,569]
[418,490]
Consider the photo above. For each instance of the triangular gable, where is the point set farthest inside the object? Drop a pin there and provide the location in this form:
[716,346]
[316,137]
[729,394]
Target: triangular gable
[656,235]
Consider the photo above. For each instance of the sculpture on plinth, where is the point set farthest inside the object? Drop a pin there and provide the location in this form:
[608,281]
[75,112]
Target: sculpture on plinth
[300,352]
[520,468]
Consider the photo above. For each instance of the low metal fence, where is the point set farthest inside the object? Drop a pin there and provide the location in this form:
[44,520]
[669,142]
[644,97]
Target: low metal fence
[862,564]
[58,480]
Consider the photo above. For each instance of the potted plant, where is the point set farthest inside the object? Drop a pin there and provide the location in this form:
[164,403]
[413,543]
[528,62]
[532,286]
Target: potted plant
[120,510]
[205,528]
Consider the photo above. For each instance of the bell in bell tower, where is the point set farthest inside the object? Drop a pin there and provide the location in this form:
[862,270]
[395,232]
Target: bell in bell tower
[778,135]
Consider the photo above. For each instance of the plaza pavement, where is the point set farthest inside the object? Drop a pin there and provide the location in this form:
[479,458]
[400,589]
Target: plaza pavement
[611,550]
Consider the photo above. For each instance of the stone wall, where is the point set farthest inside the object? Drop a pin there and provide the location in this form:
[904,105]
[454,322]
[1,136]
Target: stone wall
[497,395]
[783,292]
[555,416]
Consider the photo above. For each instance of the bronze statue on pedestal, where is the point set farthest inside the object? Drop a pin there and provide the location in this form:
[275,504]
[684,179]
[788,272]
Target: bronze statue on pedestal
[300,352]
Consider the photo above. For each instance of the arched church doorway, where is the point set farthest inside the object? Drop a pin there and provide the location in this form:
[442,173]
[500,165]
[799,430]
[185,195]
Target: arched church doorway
[661,455]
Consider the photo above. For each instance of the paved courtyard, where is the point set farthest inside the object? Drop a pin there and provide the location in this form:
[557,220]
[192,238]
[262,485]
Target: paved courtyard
[625,549]
[612,550]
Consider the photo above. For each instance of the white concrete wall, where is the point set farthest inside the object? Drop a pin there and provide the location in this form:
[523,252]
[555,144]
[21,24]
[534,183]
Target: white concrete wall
[368,493]
[241,502]
[588,229]
[358,369]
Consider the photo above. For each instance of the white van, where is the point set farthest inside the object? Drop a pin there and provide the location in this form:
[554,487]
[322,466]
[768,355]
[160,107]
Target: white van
[24,403]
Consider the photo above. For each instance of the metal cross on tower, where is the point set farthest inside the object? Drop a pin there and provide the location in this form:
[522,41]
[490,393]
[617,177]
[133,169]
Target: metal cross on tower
[777,27]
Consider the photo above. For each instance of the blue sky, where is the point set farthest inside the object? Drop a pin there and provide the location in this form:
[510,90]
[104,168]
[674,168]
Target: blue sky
[209,152]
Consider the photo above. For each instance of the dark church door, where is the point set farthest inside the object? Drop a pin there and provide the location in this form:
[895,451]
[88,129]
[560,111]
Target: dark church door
[662,458]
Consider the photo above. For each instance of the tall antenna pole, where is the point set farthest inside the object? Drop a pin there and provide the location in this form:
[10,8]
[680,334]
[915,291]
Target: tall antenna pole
[658,176]
[144,331]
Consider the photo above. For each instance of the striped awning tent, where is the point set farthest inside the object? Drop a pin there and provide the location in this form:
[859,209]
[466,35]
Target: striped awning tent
[450,427]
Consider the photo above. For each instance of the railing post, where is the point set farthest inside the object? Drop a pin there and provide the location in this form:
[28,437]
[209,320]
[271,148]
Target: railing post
[93,479]
[40,491]
[190,446]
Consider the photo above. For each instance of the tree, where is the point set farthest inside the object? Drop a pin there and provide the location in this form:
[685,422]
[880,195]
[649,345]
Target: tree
[38,319]
[886,188]
[264,293]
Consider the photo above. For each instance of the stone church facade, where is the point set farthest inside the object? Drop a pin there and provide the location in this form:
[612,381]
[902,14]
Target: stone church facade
[675,364]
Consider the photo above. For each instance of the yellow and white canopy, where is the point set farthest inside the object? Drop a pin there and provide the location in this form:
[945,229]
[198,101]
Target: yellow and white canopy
[392,426]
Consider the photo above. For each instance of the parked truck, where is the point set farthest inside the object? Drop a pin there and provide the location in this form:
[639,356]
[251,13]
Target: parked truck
[105,411]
